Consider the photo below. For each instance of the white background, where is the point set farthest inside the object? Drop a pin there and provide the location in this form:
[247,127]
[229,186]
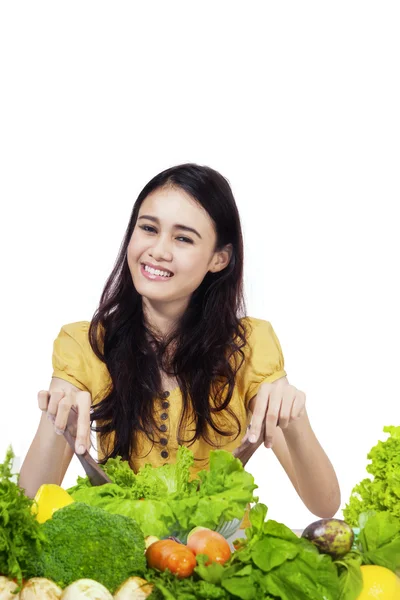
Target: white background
[296,103]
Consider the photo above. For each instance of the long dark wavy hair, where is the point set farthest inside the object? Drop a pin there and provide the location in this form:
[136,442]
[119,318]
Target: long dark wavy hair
[208,341]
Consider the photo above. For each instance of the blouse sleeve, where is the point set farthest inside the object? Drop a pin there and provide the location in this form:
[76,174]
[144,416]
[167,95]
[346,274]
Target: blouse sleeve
[265,362]
[70,355]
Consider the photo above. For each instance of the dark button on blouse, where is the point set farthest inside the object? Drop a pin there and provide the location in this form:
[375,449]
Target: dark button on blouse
[163,428]
[163,441]
[164,454]
[164,416]
[165,394]
[165,404]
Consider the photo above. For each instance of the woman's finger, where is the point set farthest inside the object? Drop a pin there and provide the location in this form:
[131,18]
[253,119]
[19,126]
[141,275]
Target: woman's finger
[43,399]
[64,407]
[55,399]
[298,406]
[271,418]
[260,407]
[83,403]
[286,407]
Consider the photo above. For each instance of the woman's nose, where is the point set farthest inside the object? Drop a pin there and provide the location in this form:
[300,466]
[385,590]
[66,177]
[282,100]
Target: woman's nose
[161,250]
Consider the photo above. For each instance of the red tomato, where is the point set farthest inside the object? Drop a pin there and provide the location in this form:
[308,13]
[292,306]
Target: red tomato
[211,543]
[167,554]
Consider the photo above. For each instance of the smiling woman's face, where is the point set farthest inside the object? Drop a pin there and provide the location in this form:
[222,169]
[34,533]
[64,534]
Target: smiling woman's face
[172,247]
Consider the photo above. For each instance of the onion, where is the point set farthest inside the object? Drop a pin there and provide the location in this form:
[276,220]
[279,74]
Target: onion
[150,539]
[7,587]
[39,588]
[134,588]
[86,589]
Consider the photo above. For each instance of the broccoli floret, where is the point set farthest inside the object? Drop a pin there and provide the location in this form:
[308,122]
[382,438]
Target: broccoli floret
[88,542]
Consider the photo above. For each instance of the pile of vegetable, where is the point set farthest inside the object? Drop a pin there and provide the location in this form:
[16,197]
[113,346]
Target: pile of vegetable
[272,562]
[166,500]
[85,541]
[382,493]
[20,532]
[103,543]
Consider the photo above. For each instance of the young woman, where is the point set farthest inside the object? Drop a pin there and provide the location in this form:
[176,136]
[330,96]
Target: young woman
[170,358]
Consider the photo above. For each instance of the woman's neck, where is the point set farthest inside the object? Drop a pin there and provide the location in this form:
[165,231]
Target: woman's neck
[162,318]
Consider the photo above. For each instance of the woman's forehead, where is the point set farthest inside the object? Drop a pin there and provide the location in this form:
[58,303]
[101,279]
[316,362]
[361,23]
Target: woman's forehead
[173,205]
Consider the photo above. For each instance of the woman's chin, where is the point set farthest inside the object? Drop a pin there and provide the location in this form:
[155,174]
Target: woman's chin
[154,294]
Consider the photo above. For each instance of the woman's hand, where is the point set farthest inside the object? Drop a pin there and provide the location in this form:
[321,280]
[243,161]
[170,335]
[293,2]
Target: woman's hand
[280,420]
[58,405]
[276,404]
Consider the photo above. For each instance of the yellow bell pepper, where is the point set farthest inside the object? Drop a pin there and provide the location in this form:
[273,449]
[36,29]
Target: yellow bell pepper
[49,498]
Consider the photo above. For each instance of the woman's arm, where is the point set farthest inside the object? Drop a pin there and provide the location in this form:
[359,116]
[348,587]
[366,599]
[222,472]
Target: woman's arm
[317,484]
[49,455]
[280,420]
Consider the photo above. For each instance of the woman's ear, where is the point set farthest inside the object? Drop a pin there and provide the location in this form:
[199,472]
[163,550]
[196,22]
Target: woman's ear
[221,259]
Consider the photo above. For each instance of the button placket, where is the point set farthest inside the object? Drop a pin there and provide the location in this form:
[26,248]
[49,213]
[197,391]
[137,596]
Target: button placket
[163,427]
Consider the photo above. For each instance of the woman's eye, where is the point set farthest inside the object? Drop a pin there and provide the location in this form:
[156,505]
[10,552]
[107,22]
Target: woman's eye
[150,229]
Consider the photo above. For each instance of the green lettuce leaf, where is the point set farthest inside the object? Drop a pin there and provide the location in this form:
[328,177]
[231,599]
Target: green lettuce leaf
[166,501]
[379,541]
[154,517]
[168,479]
[382,493]
[20,533]
[350,578]
[275,563]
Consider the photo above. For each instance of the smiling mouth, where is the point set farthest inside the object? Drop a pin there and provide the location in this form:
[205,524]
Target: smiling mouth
[158,274]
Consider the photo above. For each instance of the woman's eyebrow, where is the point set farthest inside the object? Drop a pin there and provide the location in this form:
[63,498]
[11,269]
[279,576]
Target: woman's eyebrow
[176,226]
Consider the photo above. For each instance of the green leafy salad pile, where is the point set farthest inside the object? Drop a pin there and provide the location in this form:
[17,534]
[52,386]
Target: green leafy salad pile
[382,493]
[273,563]
[78,541]
[86,542]
[101,535]
[20,533]
[166,501]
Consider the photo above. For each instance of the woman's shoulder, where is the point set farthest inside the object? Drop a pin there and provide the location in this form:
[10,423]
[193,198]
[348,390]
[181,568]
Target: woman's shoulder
[77,332]
[261,339]
[257,330]
[79,328]
[74,358]
[264,361]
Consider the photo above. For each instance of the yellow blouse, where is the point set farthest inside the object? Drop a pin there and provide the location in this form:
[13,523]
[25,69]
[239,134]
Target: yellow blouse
[75,361]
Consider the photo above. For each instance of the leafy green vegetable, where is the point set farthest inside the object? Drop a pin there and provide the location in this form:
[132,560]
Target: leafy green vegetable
[19,530]
[270,552]
[174,503]
[170,478]
[382,493]
[168,587]
[87,542]
[274,563]
[223,493]
[311,576]
[155,517]
[379,541]
[350,578]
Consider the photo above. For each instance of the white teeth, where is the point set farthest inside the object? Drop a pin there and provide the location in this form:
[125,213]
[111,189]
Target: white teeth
[156,271]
